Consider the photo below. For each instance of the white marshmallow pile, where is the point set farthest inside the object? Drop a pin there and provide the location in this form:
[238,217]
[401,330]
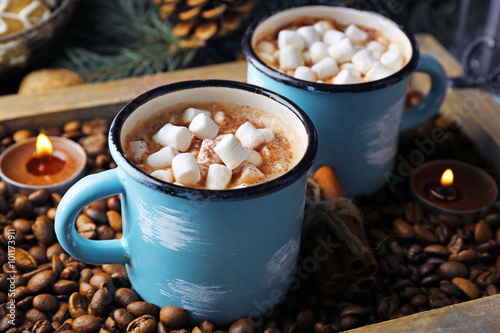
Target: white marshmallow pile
[213,159]
[320,53]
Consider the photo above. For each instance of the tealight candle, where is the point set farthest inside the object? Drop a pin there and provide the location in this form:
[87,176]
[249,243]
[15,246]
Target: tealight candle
[453,187]
[51,163]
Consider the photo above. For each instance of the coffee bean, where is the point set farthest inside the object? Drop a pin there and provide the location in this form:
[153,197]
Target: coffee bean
[492,290]
[431,280]
[35,315]
[101,302]
[488,246]
[77,305]
[22,134]
[41,281]
[466,256]
[111,324]
[419,301]
[87,290]
[452,269]
[482,232]
[62,313]
[487,278]
[24,261]
[50,130]
[174,317]
[455,245]
[415,253]
[122,317]
[493,220]
[402,228]
[124,296]
[467,287]
[100,279]
[141,308]
[243,325]
[43,229]
[413,212]
[424,235]
[39,197]
[426,269]
[45,303]
[72,125]
[114,220]
[143,324]
[88,231]
[86,324]
[207,327]
[51,213]
[437,250]
[65,287]
[105,232]
[23,207]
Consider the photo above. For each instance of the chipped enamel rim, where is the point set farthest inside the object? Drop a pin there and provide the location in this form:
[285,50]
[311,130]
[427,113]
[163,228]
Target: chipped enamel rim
[285,180]
[255,60]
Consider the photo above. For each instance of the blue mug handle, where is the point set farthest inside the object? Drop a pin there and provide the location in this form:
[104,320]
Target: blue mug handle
[87,190]
[429,106]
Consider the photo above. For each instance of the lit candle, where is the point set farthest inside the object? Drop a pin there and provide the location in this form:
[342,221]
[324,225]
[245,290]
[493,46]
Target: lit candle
[53,163]
[453,187]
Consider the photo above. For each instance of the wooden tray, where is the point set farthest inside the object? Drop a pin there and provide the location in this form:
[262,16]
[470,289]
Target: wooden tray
[474,110]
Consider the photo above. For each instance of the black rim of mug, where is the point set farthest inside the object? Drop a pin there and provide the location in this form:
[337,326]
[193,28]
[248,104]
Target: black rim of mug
[203,194]
[255,60]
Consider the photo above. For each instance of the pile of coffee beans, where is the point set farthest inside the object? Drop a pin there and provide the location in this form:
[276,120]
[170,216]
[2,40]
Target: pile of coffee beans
[425,262]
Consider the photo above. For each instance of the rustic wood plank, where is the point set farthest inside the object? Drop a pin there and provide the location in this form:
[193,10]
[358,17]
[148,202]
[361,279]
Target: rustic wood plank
[430,45]
[104,99]
[478,316]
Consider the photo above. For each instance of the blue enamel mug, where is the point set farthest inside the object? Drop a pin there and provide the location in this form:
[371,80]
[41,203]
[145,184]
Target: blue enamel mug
[220,254]
[358,125]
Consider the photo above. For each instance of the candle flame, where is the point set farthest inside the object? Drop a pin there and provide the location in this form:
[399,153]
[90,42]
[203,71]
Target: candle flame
[43,146]
[447,178]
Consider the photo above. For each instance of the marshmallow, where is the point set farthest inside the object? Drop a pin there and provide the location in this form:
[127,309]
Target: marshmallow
[231,151]
[250,174]
[165,175]
[363,60]
[269,59]
[207,154]
[376,48]
[350,66]
[290,57]
[320,81]
[392,59]
[306,56]
[322,26]
[190,113]
[218,177]
[393,46]
[162,158]
[220,118]
[137,149]
[249,136]
[254,157]
[305,73]
[290,38]
[309,34]
[333,36]
[203,171]
[268,134]
[325,68]
[318,51]
[178,137]
[204,127]
[186,170]
[342,51]
[346,77]
[276,56]
[377,72]
[356,34]
[266,47]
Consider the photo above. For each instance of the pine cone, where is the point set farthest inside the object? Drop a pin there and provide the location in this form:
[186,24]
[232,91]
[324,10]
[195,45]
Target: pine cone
[205,19]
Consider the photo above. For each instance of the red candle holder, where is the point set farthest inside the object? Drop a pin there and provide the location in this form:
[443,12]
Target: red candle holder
[471,190]
[26,171]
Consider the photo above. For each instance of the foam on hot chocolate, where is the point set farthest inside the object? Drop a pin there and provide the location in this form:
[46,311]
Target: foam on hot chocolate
[248,146]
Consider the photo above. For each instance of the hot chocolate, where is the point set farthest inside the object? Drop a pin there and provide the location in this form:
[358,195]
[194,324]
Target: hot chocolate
[213,145]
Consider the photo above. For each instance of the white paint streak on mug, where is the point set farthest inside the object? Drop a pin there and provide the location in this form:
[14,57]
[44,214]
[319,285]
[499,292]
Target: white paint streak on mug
[381,150]
[166,227]
[196,298]
[282,262]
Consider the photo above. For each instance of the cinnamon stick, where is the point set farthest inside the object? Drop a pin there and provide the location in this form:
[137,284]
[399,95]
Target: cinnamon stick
[356,267]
